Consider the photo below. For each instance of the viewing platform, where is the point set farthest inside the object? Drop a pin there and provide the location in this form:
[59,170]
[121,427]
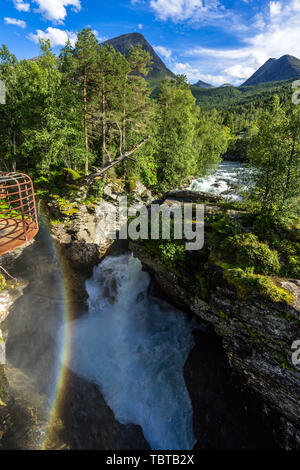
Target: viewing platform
[18,216]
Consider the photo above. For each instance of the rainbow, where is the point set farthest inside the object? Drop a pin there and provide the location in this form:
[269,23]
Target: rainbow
[64,351]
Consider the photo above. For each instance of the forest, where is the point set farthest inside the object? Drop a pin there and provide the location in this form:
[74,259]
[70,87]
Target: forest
[91,105]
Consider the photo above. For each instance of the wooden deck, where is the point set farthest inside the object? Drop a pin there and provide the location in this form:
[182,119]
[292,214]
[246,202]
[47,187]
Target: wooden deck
[12,234]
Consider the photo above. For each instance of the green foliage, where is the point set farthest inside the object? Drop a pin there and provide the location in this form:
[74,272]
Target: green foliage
[92,104]
[2,282]
[222,227]
[186,141]
[247,251]
[99,187]
[274,161]
[240,100]
[171,253]
[247,284]
[71,175]
[271,252]
[202,289]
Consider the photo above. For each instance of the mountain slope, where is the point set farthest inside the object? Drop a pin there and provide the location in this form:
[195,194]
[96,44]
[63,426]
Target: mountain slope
[285,68]
[202,84]
[123,43]
[223,98]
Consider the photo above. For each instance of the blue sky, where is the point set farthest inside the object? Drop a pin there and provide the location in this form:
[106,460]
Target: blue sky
[213,40]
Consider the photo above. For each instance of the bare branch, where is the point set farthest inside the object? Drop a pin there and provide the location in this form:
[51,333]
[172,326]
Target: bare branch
[90,178]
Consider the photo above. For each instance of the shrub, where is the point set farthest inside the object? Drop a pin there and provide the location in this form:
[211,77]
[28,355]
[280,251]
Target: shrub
[222,228]
[292,267]
[247,251]
[171,253]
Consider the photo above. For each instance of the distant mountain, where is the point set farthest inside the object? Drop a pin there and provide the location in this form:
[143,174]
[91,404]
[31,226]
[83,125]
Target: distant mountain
[274,70]
[226,85]
[201,84]
[123,43]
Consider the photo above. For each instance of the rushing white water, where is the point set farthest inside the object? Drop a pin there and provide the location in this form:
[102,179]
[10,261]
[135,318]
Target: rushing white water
[134,347]
[224,181]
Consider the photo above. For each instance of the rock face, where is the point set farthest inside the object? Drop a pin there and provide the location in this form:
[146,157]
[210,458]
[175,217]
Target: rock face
[227,416]
[85,422]
[8,295]
[284,68]
[87,235]
[122,44]
[257,337]
[202,84]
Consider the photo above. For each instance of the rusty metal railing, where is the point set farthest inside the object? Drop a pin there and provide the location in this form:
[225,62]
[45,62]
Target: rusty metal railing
[18,215]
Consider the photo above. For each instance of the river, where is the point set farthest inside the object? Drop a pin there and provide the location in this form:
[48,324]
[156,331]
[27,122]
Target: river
[224,181]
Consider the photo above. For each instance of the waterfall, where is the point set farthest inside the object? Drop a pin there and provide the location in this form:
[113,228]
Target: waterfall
[134,347]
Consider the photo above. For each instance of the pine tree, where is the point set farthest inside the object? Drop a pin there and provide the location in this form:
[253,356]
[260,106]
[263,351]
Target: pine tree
[10,112]
[86,50]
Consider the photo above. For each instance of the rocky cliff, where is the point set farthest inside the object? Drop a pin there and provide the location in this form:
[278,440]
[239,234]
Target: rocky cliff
[10,290]
[83,233]
[257,332]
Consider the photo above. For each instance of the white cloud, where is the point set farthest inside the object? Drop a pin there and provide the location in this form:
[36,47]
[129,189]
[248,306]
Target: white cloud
[238,72]
[55,10]
[275,8]
[274,36]
[192,73]
[20,5]
[183,10]
[57,37]
[15,22]
[163,51]
[98,37]
[229,75]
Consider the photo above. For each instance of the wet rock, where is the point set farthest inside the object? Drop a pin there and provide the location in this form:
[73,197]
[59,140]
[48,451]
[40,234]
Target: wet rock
[9,295]
[85,422]
[7,298]
[192,196]
[84,238]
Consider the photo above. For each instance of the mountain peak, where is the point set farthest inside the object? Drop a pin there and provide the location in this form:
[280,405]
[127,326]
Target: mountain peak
[122,44]
[202,84]
[284,68]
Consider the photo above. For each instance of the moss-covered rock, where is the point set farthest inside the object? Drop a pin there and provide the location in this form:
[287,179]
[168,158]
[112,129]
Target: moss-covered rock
[71,175]
[247,284]
[2,282]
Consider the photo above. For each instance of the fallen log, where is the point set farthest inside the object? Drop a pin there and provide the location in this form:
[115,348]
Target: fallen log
[88,179]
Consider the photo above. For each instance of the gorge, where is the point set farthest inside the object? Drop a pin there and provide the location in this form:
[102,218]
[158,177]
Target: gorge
[126,369]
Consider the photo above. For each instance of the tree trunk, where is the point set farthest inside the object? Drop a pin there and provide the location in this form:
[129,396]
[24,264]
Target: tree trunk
[105,157]
[85,122]
[124,125]
[290,161]
[124,117]
[14,162]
